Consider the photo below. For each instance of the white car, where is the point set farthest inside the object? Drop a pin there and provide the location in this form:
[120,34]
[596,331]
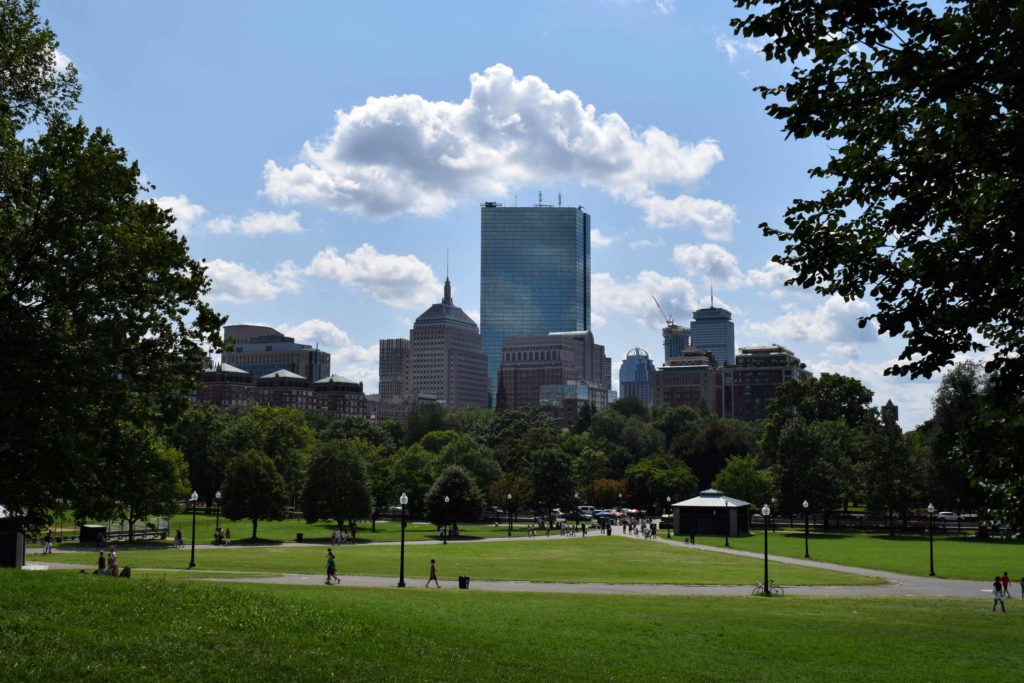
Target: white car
[947,516]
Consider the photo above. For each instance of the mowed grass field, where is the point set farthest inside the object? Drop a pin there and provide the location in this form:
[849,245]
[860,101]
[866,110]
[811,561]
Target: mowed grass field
[572,560]
[69,626]
[955,558]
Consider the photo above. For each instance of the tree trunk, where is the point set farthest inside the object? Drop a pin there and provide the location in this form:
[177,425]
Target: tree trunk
[254,523]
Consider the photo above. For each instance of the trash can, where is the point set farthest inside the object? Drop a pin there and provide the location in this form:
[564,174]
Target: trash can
[464,582]
[298,537]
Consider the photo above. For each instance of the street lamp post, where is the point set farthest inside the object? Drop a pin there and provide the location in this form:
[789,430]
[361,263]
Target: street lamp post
[508,498]
[446,513]
[765,512]
[194,498]
[216,498]
[807,530]
[404,500]
[931,541]
[668,509]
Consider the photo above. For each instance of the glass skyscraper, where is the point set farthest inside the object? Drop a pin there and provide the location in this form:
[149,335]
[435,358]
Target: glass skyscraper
[711,330]
[534,275]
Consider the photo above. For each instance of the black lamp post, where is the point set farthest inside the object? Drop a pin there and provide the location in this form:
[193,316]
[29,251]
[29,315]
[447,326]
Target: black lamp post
[508,498]
[193,498]
[404,500]
[931,541]
[216,498]
[807,530]
[765,513]
[668,509]
[446,513]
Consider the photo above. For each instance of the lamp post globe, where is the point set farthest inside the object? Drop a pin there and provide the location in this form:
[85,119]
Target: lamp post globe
[403,500]
[216,498]
[508,504]
[765,513]
[444,535]
[807,530]
[194,498]
[931,540]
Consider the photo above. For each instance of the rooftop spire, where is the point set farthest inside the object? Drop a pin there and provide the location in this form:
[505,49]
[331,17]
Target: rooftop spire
[447,283]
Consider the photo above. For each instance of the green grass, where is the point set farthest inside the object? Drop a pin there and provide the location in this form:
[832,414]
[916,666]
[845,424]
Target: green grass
[572,560]
[74,627]
[955,557]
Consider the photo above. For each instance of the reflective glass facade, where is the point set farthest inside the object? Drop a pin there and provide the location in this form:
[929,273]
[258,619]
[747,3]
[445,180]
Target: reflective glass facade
[534,275]
[636,376]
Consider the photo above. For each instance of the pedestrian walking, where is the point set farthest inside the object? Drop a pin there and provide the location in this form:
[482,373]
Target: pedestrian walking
[48,543]
[179,542]
[227,537]
[997,595]
[433,575]
[332,568]
[1005,578]
[102,563]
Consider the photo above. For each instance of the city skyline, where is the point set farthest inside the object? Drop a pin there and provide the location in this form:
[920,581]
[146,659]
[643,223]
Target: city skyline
[324,188]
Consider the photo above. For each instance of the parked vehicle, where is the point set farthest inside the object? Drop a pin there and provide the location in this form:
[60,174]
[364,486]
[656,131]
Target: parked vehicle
[948,516]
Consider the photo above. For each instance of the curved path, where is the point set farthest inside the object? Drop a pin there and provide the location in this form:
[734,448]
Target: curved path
[897,585]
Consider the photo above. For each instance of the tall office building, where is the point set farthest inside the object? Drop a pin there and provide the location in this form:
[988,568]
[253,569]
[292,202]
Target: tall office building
[534,275]
[395,369]
[676,338]
[263,350]
[711,330]
[692,379]
[636,376]
[758,373]
[447,355]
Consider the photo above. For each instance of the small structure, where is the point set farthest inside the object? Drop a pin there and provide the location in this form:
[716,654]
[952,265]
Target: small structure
[12,540]
[712,513]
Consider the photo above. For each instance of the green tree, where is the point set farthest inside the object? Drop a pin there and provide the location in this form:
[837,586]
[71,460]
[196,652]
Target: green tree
[715,441]
[477,458]
[202,436]
[253,489]
[337,485]
[889,477]
[743,478]
[811,465]
[281,434]
[923,193]
[436,440]
[655,478]
[422,419]
[549,472]
[631,406]
[413,471]
[465,502]
[102,311]
[507,483]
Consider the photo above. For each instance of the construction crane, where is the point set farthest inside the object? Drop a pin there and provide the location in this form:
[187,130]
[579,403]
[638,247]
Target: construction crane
[668,318]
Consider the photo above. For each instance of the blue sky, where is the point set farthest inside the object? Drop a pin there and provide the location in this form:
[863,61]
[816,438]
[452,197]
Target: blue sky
[323,157]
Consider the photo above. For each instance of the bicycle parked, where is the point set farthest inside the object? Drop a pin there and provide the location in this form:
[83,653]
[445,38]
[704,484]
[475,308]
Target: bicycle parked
[773,589]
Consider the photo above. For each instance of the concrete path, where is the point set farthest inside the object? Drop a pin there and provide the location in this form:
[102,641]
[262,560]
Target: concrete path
[897,585]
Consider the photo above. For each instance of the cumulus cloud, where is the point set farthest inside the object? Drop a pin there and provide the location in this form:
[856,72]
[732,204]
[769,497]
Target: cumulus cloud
[709,261]
[185,212]
[772,278]
[347,357]
[643,244]
[598,239]
[405,153]
[399,281]
[256,223]
[234,283]
[61,60]
[633,299]
[833,321]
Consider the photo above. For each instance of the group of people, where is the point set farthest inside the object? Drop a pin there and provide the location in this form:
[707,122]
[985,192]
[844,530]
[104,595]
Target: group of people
[220,536]
[339,537]
[1001,590]
[107,564]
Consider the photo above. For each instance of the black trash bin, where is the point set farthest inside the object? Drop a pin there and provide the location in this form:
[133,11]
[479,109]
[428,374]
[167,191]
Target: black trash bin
[298,538]
[464,582]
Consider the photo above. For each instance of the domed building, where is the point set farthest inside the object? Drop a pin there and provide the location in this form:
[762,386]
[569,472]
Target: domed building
[636,376]
[448,360]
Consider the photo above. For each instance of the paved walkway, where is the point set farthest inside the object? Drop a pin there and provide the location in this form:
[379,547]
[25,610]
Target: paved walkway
[897,585]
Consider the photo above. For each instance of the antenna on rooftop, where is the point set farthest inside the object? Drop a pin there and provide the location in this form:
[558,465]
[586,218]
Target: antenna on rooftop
[559,199]
[711,281]
[540,198]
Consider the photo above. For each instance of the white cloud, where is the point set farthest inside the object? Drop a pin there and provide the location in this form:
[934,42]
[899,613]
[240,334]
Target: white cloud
[772,279]
[733,48]
[185,212]
[61,60]
[598,239]
[714,218]
[642,244]
[633,299]
[234,283]
[256,223]
[835,320]
[709,261]
[474,315]
[347,358]
[400,281]
[665,6]
[405,153]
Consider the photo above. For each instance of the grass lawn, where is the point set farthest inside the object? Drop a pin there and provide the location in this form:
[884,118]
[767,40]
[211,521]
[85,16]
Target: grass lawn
[955,558]
[59,626]
[572,560]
